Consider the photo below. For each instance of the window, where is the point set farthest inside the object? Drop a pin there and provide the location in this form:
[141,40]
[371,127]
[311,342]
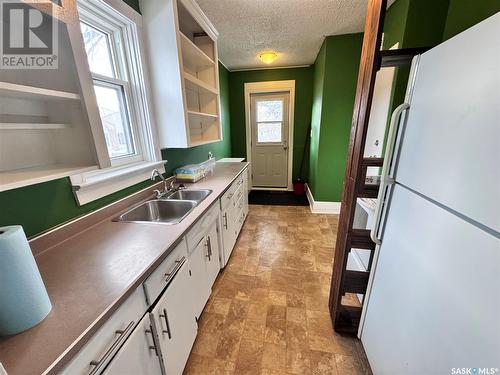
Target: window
[111,45]
[269,120]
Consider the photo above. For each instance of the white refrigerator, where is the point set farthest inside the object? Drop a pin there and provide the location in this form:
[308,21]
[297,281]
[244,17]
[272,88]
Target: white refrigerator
[433,305]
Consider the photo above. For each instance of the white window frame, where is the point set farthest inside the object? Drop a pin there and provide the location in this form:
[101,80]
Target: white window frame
[122,38]
[124,25]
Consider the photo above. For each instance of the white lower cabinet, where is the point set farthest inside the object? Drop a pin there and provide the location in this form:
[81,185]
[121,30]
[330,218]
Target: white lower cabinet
[234,210]
[101,348]
[175,322]
[140,354]
[198,265]
[212,257]
[171,300]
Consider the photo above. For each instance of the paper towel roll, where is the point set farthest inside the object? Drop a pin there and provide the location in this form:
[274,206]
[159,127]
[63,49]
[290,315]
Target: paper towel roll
[24,301]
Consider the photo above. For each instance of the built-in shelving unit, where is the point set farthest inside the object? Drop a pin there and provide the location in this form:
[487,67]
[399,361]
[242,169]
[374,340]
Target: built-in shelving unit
[13,90]
[185,72]
[45,127]
[203,116]
[192,56]
[38,174]
[32,126]
[195,84]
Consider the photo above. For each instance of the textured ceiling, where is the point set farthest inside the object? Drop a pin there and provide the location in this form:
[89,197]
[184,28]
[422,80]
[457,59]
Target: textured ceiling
[293,28]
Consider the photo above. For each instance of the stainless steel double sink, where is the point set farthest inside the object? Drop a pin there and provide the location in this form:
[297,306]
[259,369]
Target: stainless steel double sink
[171,209]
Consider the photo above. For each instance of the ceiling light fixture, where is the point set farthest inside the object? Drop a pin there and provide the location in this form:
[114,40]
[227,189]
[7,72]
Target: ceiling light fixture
[268,57]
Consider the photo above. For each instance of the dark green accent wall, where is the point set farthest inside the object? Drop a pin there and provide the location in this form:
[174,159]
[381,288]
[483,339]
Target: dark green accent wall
[302,115]
[463,14]
[134,4]
[412,23]
[318,85]
[181,156]
[420,23]
[43,206]
[335,80]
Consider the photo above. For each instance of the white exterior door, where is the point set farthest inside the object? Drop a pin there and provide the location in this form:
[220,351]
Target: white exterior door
[140,353]
[269,144]
[175,322]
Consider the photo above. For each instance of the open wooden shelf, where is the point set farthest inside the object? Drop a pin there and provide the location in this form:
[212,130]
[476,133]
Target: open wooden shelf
[32,126]
[195,84]
[192,56]
[30,92]
[199,143]
[203,116]
[35,175]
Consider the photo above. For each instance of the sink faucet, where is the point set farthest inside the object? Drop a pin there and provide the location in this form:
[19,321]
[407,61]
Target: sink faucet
[166,187]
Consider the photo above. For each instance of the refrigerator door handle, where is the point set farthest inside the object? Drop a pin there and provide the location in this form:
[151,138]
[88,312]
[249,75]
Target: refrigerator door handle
[385,180]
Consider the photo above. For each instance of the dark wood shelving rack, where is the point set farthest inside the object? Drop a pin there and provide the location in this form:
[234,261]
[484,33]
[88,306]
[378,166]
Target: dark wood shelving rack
[346,318]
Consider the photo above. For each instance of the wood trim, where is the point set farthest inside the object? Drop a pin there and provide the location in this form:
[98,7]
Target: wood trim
[364,93]
[398,57]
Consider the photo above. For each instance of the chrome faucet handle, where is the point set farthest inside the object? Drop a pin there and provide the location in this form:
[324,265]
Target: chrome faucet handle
[158,193]
[155,173]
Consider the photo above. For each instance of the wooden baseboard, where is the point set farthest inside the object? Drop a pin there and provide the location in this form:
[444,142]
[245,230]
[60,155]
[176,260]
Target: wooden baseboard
[321,207]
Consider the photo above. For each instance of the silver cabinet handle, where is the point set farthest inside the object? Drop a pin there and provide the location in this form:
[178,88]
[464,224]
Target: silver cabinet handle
[101,363]
[156,342]
[384,178]
[209,248]
[178,264]
[152,347]
[225,220]
[167,324]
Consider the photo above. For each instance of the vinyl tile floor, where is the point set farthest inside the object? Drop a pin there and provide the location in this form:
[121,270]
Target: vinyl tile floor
[268,313]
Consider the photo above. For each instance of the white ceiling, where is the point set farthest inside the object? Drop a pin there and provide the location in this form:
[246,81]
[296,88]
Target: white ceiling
[293,28]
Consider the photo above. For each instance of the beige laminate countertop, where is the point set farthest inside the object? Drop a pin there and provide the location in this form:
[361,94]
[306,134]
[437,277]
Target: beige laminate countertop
[90,275]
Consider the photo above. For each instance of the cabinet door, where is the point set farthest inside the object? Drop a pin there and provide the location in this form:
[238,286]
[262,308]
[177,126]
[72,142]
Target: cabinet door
[212,259]
[228,233]
[140,354]
[175,322]
[200,287]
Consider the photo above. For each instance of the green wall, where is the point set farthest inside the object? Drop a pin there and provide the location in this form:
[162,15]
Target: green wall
[335,79]
[133,3]
[318,86]
[412,23]
[420,23]
[302,115]
[463,14]
[181,156]
[43,206]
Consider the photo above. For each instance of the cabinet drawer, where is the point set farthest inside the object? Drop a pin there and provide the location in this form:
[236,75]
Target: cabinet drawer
[227,196]
[237,195]
[97,353]
[238,205]
[158,280]
[201,227]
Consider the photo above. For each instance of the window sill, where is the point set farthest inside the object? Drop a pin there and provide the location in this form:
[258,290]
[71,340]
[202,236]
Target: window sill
[89,186]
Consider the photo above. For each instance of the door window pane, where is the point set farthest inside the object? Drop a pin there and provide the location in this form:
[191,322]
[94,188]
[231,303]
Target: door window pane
[117,131]
[98,50]
[269,132]
[269,110]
